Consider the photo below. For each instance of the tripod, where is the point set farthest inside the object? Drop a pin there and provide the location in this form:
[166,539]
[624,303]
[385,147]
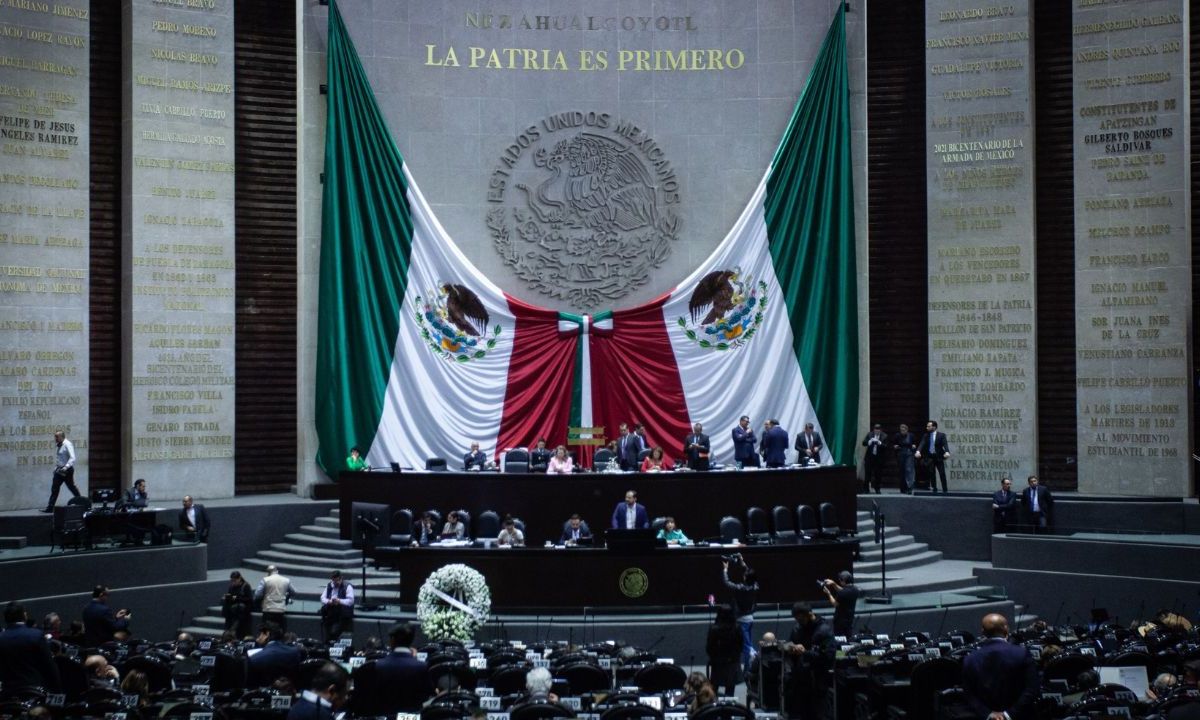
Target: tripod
[881,540]
[368,527]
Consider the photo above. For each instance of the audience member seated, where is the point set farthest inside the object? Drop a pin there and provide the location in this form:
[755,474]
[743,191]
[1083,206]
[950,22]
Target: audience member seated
[475,459]
[193,520]
[337,606]
[510,535]
[405,677]
[454,528]
[656,461]
[100,623]
[100,673]
[672,534]
[136,496]
[325,694]
[537,686]
[424,533]
[25,660]
[539,457]
[561,463]
[274,659]
[574,530]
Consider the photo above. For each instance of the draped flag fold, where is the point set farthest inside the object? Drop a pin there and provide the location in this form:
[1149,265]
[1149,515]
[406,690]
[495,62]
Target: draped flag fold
[419,354]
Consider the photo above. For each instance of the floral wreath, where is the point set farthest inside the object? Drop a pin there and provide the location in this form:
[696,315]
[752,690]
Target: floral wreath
[453,603]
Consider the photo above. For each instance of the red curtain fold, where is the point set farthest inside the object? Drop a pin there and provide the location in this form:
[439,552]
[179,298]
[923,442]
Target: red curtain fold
[541,374]
[635,378]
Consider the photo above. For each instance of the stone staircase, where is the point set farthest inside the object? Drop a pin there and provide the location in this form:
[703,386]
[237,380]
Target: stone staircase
[307,557]
[911,566]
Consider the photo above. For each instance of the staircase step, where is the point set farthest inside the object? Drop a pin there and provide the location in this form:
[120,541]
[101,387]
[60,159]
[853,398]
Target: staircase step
[332,552]
[872,553]
[343,562]
[326,541]
[13,542]
[320,569]
[900,584]
[326,522]
[321,531]
[867,532]
[924,558]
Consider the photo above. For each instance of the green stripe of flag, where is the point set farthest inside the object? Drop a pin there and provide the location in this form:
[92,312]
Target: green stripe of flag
[810,224]
[366,238]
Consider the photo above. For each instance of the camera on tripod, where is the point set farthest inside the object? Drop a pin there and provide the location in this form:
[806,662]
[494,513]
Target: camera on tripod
[734,559]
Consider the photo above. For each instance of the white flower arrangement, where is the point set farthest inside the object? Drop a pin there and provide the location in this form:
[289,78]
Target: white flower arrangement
[453,603]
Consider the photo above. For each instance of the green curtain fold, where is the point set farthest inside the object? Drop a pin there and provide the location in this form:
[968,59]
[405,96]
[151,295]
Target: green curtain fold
[366,238]
[810,222]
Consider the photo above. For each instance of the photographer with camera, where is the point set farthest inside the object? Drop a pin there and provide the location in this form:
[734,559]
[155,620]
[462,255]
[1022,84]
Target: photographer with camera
[810,651]
[237,605]
[745,594]
[843,596]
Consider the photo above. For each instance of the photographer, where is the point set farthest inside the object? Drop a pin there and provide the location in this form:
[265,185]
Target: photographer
[810,651]
[843,596]
[744,595]
[237,604]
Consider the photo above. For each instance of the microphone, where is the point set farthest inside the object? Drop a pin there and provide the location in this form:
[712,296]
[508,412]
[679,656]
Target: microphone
[656,642]
[1056,615]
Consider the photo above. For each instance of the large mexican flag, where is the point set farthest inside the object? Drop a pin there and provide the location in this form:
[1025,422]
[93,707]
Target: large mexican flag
[419,354]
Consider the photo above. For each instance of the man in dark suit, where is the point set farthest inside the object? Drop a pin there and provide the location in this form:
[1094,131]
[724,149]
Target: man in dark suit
[274,659]
[744,441]
[475,459]
[575,529]
[1004,507]
[809,444]
[193,520]
[873,459]
[774,444]
[630,514]
[100,623]
[904,443]
[810,652]
[1039,505]
[631,451]
[137,496]
[622,443]
[25,660]
[540,456]
[405,678]
[696,447]
[325,694]
[933,451]
[1001,679]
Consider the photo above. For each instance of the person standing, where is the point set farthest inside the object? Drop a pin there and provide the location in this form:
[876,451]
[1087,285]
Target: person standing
[744,442]
[237,604]
[809,445]
[745,594]
[810,650]
[193,520]
[774,444]
[934,450]
[1000,679]
[623,441]
[25,660]
[696,447]
[405,676]
[100,623]
[1004,507]
[1038,503]
[630,514]
[873,459]
[724,648]
[337,606]
[843,595]
[905,443]
[274,591]
[64,469]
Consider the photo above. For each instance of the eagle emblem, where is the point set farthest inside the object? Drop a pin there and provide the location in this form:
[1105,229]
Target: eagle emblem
[725,310]
[455,324]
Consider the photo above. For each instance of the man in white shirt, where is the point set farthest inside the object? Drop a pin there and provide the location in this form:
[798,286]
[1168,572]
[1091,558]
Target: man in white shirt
[64,469]
[274,591]
[193,520]
[337,606]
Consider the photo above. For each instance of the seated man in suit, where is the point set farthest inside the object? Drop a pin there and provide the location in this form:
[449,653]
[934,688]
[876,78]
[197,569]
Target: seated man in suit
[425,532]
[809,444]
[136,496]
[1004,507]
[405,678]
[575,530]
[475,459]
[326,693]
[630,514]
[193,520]
[1001,679]
[273,660]
[540,456]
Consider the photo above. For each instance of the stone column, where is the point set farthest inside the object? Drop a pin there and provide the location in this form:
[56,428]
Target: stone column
[979,139]
[44,261]
[1133,290]
[179,247]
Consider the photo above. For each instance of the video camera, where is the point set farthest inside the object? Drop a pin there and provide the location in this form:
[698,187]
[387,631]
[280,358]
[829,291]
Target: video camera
[734,559]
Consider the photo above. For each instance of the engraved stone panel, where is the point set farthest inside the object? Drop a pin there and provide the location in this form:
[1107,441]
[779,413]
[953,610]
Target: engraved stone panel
[1133,288]
[982,360]
[179,247]
[44,259]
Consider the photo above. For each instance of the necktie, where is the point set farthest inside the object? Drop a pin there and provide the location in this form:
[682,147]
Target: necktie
[1033,495]
[932,437]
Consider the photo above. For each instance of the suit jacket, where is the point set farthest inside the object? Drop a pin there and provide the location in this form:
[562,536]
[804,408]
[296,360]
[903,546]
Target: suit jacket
[694,459]
[202,524]
[904,442]
[477,459]
[633,446]
[1001,677]
[1007,502]
[802,444]
[874,452]
[406,679]
[1045,500]
[743,444]
[100,623]
[584,530]
[941,445]
[274,661]
[539,459]
[775,445]
[25,659]
[135,498]
[641,520]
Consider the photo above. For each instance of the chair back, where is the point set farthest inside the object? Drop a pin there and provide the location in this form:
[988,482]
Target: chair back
[660,678]
[435,464]
[516,466]
[73,677]
[631,711]
[644,454]
[808,520]
[487,525]
[724,711]
[509,679]
[927,680]
[584,677]
[402,527]
[829,520]
[539,710]
[784,521]
[602,457]
[658,523]
[756,522]
[83,500]
[516,455]
[731,529]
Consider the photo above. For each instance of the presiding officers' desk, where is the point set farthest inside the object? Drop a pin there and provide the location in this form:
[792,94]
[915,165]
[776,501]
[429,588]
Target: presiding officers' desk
[575,578]
[697,500]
